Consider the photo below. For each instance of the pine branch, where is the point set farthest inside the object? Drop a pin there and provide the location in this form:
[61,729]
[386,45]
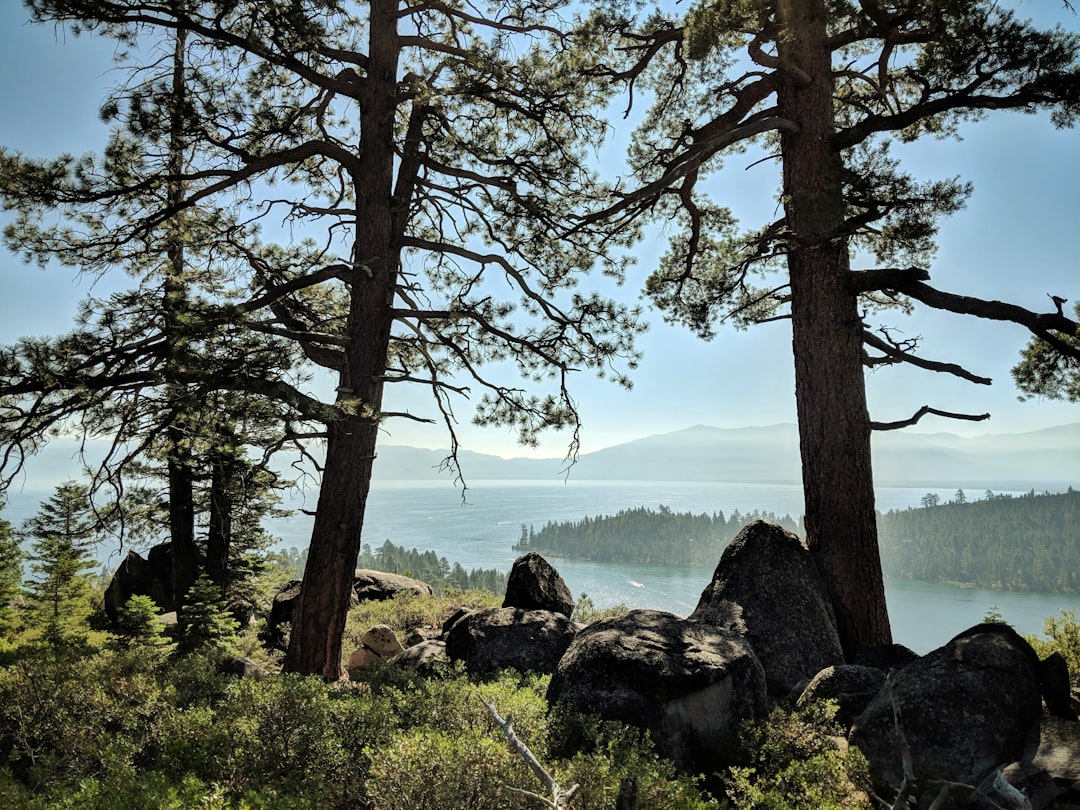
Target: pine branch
[923,411]
[894,354]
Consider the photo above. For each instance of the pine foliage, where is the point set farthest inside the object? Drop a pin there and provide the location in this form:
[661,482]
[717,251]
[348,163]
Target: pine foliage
[62,534]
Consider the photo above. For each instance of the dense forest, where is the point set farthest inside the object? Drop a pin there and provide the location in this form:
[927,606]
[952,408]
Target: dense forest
[643,535]
[427,566]
[1030,542]
[1026,543]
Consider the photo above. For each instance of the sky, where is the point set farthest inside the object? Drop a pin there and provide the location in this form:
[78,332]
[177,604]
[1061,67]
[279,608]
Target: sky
[1018,240]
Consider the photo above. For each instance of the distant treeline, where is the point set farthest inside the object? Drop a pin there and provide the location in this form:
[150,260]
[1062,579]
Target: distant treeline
[643,535]
[427,566]
[1028,542]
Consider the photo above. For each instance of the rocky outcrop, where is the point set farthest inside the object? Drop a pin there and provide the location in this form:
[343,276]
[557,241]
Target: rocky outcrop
[367,585]
[377,586]
[965,709]
[886,658]
[377,644]
[767,588]
[137,576]
[509,638]
[850,685]
[281,612]
[241,667]
[534,584]
[691,684]
[423,656]
[1055,681]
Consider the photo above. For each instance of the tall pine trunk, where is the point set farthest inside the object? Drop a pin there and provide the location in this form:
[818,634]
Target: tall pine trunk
[319,618]
[181,473]
[223,464]
[834,424]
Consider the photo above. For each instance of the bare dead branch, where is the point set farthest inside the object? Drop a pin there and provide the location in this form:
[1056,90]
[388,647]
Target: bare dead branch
[910,282]
[923,411]
[560,799]
[895,354]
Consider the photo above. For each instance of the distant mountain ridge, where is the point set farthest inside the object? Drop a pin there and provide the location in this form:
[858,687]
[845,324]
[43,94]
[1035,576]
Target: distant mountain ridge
[770,454]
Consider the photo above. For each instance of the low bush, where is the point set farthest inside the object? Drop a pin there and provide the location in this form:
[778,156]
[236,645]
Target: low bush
[799,761]
[1064,637]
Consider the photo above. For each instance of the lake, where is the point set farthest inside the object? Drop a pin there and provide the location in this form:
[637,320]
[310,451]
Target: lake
[480,533]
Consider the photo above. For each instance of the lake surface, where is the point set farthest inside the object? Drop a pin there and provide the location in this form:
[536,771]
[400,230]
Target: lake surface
[480,533]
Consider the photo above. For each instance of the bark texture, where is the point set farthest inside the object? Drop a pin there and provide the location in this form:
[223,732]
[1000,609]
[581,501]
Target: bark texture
[319,618]
[834,423]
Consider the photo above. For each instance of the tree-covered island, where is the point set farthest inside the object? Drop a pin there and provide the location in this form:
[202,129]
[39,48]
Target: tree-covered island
[1026,543]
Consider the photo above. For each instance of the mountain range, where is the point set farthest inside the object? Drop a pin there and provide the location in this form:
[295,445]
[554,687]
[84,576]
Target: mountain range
[1043,458]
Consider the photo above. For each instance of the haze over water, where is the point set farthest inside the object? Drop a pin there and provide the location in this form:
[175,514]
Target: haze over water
[481,532]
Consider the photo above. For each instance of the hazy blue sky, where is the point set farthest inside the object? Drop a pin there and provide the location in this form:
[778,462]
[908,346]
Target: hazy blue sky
[1018,239]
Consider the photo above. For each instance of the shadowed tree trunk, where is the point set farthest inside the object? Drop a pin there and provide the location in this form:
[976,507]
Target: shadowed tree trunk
[318,624]
[181,474]
[827,338]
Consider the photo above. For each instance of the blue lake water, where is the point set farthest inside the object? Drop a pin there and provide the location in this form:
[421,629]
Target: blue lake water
[480,533]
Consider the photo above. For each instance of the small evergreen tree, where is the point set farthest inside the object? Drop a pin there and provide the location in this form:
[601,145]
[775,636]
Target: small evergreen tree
[138,624]
[208,627]
[63,531]
[11,558]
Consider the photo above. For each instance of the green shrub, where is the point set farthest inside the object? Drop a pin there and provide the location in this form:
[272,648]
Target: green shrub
[87,716]
[586,611]
[797,763]
[1064,638]
[208,625]
[429,769]
[138,624]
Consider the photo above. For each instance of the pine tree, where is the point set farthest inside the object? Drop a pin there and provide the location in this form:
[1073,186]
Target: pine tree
[433,152]
[826,88]
[63,534]
[209,626]
[11,559]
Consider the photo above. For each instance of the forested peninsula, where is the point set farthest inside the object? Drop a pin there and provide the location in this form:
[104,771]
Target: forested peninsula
[1029,542]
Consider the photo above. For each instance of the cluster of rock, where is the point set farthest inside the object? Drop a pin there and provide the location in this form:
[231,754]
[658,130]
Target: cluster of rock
[979,722]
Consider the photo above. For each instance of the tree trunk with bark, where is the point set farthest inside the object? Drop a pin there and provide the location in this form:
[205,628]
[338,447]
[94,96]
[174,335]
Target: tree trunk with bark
[219,523]
[181,472]
[319,619]
[834,423]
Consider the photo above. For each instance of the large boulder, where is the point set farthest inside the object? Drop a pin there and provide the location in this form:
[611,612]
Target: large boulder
[378,643]
[509,638]
[281,612]
[886,658]
[850,685]
[138,576]
[422,657]
[282,608]
[965,709]
[692,685]
[768,588]
[377,586]
[534,584]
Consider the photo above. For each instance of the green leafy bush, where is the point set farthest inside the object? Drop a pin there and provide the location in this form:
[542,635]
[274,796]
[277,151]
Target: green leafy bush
[798,762]
[586,611]
[1064,638]
[430,769]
